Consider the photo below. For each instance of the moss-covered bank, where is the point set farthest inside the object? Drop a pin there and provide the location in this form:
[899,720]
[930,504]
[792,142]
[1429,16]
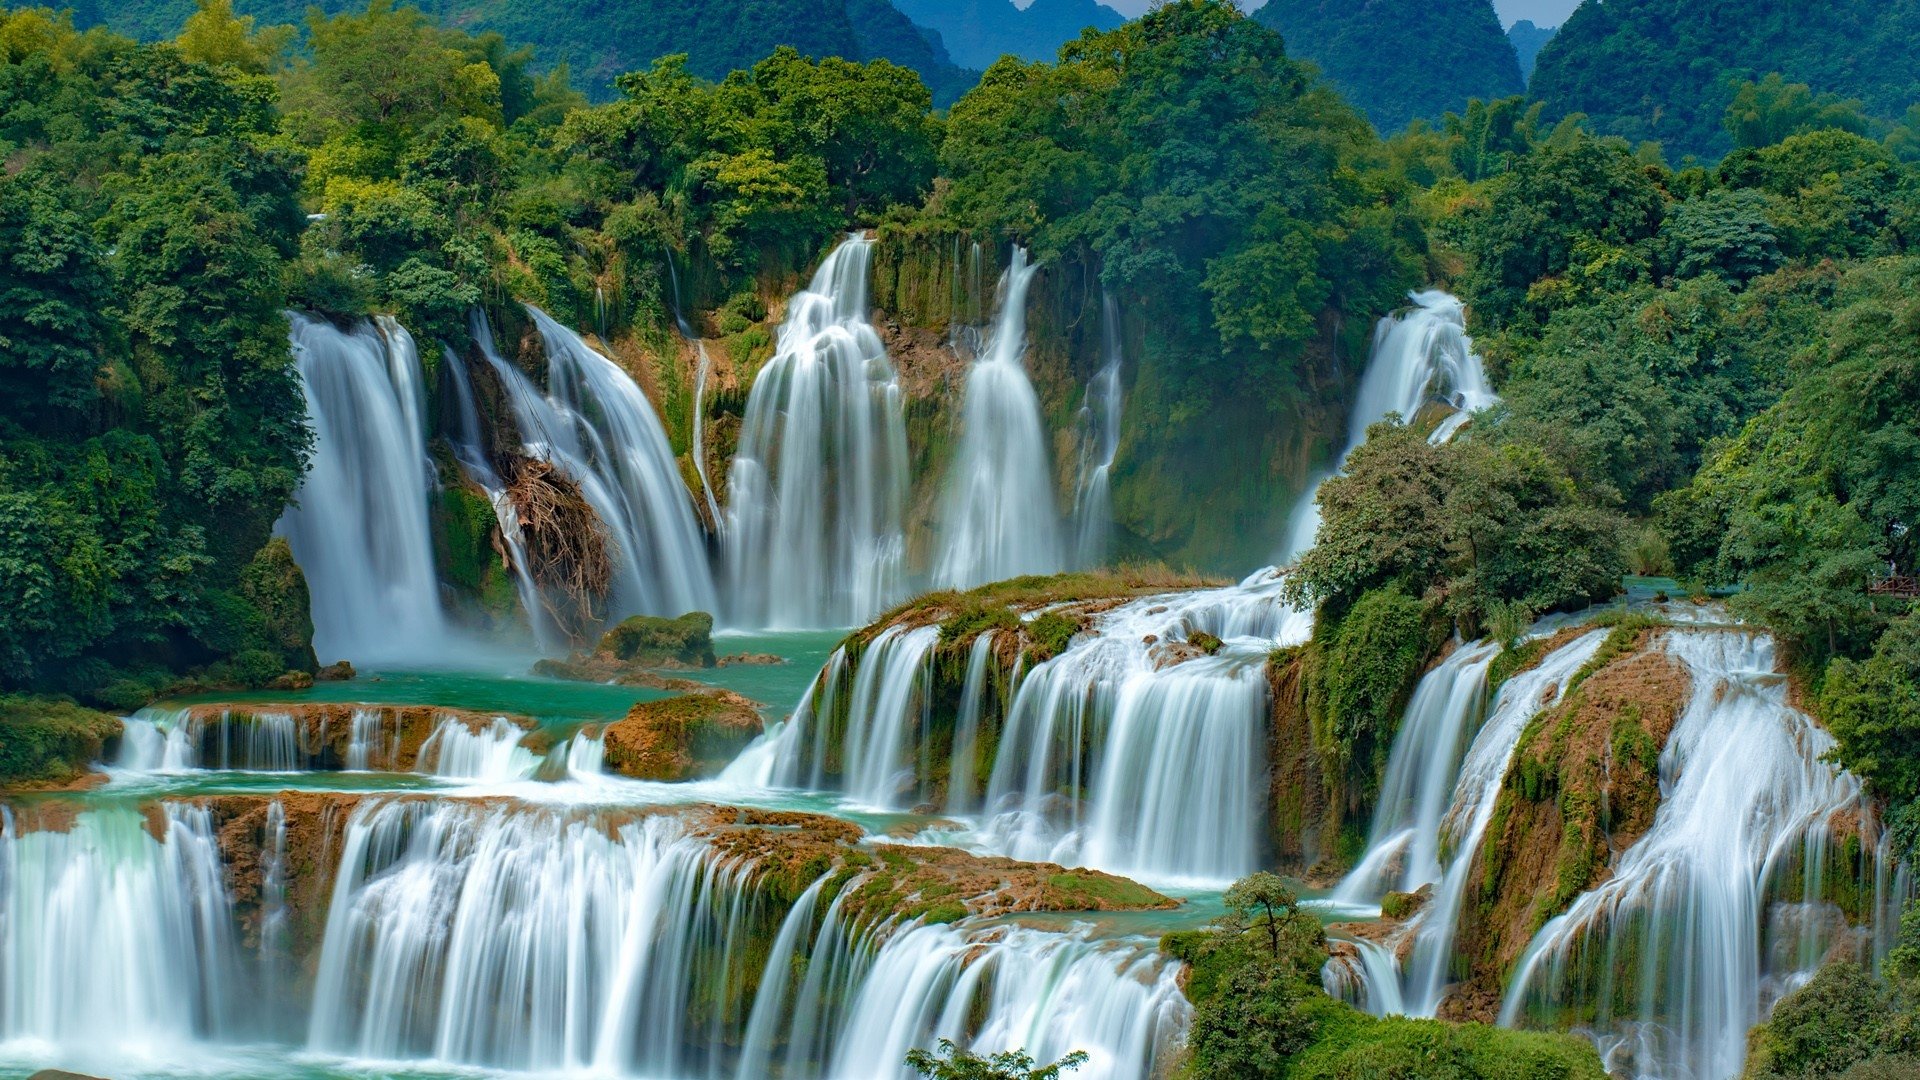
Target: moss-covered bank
[49,740]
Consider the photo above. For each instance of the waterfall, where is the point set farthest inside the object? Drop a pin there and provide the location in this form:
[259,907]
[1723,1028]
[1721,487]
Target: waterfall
[1000,519]
[1099,445]
[358,524]
[886,715]
[586,754]
[368,744]
[469,448]
[596,426]
[1176,765]
[818,489]
[110,937]
[1403,848]
[1520,698]
[1670,953]
[966,727]
[699,447]
[543,939]
[1420,355]
[1164,753]
[492,753]
[179,740]
[276,918]
[1049,993]
[1157,751]
[1368,978]
[524,940]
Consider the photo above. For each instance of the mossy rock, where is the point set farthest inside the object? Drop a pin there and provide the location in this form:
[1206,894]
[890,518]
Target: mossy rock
[50,740]
[681,738]
[653,641]
[275,586]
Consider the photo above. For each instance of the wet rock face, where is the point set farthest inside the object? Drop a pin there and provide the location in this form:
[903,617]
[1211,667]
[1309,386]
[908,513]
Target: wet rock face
[681,738]
[1583,787]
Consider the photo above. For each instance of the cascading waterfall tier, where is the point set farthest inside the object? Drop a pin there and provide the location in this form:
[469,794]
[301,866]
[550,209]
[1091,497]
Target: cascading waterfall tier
[451,745]
[492,753]
[1163,751]
[1403,848]
[495,937]
[1671,960]
[178,740]
[1472,792]
[1000,518]
[556,940]
[110,936]
[358,525]
[818,489]
[596,426]
[1420,356]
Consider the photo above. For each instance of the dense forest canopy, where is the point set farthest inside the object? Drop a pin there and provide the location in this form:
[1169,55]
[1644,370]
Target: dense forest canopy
[1371,50]
[598,41]
[1665,70]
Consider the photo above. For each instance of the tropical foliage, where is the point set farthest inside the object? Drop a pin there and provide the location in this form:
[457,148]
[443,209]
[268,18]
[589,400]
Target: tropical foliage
[1666,70]
[596,42]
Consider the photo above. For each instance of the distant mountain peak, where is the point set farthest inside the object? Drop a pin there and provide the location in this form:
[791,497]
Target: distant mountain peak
[978,32]
[1400,60]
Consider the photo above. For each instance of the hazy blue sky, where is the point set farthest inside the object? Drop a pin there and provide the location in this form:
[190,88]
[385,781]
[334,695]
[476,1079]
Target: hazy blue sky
[1543,12]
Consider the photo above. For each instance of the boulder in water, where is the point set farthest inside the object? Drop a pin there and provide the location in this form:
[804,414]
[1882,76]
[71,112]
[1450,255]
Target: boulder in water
[681,738]
[338,671]
[736,659]
[651,641]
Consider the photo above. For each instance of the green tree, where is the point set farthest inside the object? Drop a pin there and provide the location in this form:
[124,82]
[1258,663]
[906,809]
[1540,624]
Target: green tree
[1563,203]
[954,1063]
[1723,232]
[214,35]
[1814,498]
[870,125]
[1873,708]
[1773,109]
[1482,522]
[1256,1023]
[53,332]
[390,67]
[1262,909]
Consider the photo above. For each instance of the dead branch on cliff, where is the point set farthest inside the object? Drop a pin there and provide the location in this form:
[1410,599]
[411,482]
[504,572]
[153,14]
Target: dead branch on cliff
[566,543]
